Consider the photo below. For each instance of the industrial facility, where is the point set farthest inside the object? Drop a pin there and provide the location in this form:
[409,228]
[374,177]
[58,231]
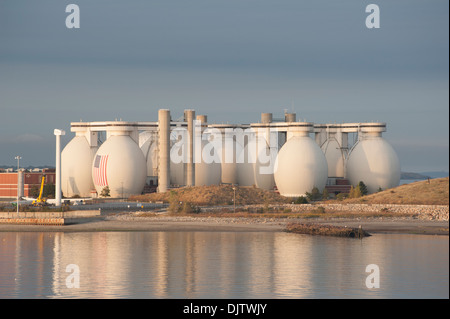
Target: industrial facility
[284,155]
[22,182]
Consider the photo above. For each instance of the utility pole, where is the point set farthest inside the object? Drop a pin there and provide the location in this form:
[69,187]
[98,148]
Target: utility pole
[234,199]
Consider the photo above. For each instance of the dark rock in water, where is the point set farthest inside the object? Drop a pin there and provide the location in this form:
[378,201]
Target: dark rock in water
[326,230]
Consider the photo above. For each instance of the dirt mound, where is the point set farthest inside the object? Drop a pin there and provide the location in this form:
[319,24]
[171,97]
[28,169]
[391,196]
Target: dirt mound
[216,195]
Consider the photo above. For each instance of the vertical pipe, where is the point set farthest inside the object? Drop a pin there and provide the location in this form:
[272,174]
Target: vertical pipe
[164,150]
[190,167]
[58,171]
[18,176]
[58,134]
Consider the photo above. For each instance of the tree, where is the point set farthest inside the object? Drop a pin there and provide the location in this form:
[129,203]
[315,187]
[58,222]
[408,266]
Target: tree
[363,188]
[174,203]
[314,195]
[48,191]
[105,192]
[355,192]
[325,194]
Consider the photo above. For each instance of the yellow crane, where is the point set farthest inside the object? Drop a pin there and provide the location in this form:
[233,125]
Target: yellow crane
[40,201]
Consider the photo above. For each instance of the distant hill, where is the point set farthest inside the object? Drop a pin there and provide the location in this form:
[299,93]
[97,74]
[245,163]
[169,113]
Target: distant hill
[436,174]
[423,175]
[409,175]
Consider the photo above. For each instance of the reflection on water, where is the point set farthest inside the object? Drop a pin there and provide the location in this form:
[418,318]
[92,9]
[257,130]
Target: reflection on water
[221,265]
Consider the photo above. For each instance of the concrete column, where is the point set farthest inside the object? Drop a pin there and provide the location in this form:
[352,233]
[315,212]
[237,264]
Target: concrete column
[164,150]
[190,167]
[58,134]
[21,183]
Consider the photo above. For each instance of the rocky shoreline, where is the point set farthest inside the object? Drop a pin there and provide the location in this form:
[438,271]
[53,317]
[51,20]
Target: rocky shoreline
[412,219]
[423,212]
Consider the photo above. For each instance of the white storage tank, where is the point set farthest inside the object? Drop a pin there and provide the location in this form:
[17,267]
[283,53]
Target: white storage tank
[264,165]
[119,164]
[208,170]
[229,149]
[149,146]
[229,156]
[246,163]
[177,166]
[300,164]
[373,161]
[76,167]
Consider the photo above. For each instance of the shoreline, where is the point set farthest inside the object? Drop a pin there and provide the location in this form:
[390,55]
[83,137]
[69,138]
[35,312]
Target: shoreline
[129,222]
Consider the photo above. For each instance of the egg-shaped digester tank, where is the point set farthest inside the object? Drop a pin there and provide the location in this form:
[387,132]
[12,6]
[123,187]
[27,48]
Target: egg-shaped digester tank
[76,162]
[119,164]
[300,165]
[373,161]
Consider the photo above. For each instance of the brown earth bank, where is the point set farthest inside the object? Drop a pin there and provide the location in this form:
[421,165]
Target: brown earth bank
[427,192]
[215,195]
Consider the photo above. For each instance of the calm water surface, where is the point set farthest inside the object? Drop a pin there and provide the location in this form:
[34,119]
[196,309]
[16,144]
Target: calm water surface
[221,265]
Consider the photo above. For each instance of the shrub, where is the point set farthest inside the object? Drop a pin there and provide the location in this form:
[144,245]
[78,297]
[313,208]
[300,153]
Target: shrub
[174,203]
[355,192]
[189,208]
[314,195]
[341,196]
[319,210]
[105,192]
[301,200]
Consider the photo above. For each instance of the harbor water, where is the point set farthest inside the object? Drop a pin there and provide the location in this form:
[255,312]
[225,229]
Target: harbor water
[221,265]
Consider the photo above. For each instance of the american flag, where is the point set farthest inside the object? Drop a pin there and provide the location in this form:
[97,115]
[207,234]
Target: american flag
[100,170]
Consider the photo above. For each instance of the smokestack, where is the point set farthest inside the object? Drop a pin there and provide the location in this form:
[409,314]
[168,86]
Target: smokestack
[164,150]
[190,167]
[290,117]
[266,118]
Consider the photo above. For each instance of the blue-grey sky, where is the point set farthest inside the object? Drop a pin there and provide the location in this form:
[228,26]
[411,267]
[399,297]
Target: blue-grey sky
[230,60]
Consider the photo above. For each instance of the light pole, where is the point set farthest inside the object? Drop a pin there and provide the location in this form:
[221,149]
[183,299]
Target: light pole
[18,182]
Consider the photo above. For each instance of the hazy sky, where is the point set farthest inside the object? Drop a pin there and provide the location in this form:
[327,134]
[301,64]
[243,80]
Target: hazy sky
[230,60]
